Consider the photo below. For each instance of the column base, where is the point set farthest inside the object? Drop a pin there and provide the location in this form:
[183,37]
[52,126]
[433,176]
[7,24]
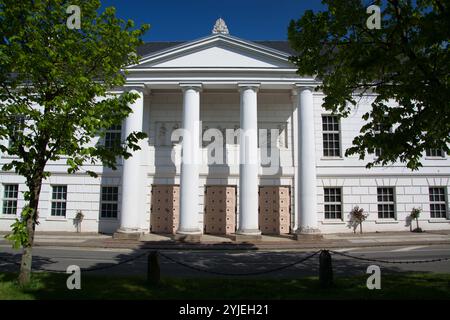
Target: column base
[188,235]
[247,235]
[127,234]
[305,234]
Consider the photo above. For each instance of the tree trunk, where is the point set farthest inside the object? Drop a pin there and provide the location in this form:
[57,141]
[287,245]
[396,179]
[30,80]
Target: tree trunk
[27,255]
[360,227]
[417,223]
[31,219]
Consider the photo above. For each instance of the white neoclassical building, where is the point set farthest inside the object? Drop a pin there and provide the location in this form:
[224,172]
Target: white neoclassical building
[260,155]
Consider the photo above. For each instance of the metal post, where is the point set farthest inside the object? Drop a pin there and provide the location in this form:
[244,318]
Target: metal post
[325,269]
[153,269]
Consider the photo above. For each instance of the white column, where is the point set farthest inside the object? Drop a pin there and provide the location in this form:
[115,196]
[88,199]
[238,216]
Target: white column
[189,183]
[294,146]
[133,182]
[306,192]
[248,165]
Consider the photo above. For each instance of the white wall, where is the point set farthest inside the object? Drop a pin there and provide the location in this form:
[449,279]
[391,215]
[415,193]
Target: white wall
[409,192]
[83,193]
[358,184]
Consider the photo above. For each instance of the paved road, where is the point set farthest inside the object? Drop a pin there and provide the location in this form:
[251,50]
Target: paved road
[57,258]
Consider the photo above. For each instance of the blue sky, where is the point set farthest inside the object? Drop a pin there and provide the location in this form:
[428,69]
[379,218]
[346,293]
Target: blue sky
[173,20]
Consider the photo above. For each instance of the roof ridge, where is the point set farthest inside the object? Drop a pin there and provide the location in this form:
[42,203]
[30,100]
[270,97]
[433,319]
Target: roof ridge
[156,46]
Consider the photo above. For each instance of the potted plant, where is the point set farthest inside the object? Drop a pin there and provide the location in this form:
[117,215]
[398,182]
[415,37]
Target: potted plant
[415,214]
[358,216]
[78,219]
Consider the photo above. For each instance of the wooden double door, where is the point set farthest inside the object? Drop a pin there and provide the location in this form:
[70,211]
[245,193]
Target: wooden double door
[220,210]
[274,210]
[165,209]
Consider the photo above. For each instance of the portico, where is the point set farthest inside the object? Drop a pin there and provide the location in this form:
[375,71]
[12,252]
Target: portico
[224,65]
[250,173]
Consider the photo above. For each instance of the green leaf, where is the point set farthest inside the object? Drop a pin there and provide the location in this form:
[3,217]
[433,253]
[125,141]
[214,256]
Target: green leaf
[405,64]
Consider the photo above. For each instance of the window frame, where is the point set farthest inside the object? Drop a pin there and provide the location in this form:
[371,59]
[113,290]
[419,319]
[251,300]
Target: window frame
[331,132]
[429,153]
[333,203]
[444,202]
[382,203]
[379,129]
[111,131]
[18,127]
[62,201]
[116,202]
[8,199]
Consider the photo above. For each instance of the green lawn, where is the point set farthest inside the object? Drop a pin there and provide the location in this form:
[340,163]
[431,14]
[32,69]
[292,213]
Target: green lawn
[53,286]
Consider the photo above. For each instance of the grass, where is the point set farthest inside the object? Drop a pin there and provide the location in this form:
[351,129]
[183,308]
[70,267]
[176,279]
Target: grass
[53,286]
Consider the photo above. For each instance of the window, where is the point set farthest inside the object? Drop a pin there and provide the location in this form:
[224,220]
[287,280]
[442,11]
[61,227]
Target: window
[386,203]
[333,203]
[435,153]
[59,199]
[331,136]
[381,128]
[438,204]
[113,137]
[109,203]
[16,129]
[10,194]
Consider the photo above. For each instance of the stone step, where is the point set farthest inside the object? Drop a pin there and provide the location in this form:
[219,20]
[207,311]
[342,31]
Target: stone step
[127,236]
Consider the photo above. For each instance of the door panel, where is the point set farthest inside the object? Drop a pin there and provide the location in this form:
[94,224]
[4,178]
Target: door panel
[165,209]
[220,210]
[274,210]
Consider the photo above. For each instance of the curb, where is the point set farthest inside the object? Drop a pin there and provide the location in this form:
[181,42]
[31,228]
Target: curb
[135,245]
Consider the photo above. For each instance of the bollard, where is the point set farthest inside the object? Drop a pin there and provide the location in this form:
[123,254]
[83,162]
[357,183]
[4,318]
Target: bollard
[325,269]
[153,269]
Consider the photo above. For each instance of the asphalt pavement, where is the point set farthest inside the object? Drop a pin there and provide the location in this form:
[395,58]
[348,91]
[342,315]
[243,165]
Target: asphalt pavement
[238,263]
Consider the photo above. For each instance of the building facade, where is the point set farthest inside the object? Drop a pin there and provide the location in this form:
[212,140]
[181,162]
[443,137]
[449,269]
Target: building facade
[260,155]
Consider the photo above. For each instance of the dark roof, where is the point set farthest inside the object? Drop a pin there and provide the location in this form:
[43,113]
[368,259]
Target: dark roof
[282,46]
[152,47]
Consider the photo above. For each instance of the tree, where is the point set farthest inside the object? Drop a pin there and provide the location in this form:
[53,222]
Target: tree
[406,61]
[357,217]
[54,101]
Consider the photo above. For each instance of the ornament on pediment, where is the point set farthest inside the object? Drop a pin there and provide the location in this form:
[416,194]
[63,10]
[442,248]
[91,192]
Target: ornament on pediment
[220,27]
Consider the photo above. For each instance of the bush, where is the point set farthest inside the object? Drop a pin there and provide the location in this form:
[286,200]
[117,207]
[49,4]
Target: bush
[358,216]
[78,219]
[414,215]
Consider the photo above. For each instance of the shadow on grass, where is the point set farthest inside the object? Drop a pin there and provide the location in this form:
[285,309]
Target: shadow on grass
[52,286]
[128,281]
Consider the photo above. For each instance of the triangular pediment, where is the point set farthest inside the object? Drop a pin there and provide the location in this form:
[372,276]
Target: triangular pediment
[217,51]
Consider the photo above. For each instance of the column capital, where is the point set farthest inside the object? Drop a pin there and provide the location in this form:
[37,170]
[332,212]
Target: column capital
[299,87]
[198,86]
[143,88]
[249,85]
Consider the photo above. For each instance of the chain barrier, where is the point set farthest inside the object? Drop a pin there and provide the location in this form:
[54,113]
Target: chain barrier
[239,274]
[389,261]
[84,270]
